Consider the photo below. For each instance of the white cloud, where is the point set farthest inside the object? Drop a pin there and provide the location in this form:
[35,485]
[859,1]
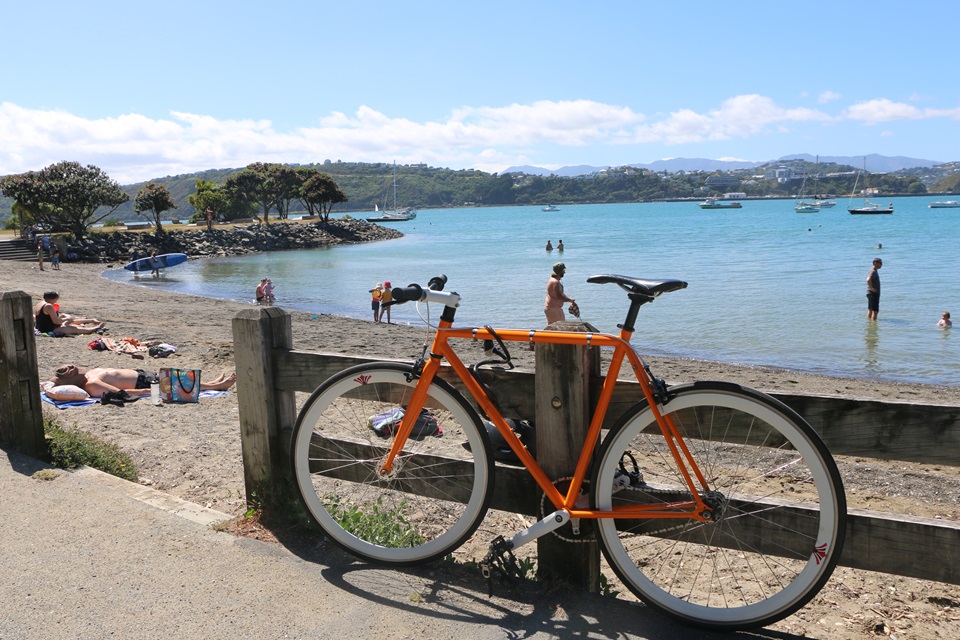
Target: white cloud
[738,117]
[884,110]
[827,96]
[134,147]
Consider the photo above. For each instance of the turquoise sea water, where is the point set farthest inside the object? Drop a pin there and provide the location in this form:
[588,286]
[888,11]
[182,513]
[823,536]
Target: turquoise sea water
[766,285]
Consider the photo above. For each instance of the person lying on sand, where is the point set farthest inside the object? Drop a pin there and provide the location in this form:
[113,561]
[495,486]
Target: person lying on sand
[136,382]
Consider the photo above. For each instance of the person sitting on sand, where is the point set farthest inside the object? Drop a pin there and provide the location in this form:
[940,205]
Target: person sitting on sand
[47,319]
[136,382]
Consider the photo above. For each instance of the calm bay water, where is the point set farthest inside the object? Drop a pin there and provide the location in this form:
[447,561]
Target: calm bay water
[766,285]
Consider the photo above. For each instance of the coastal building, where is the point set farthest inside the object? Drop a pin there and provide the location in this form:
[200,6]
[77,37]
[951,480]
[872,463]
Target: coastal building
[721,181]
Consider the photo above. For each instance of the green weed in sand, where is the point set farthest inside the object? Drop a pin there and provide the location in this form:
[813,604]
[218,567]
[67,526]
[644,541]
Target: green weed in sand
[72,448]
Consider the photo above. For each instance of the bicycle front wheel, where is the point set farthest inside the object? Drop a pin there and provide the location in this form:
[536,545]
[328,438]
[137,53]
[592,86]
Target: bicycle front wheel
[440,485]
[779,510]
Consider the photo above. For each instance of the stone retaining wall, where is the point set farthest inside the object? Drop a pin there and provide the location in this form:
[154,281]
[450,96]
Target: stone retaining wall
[227,241]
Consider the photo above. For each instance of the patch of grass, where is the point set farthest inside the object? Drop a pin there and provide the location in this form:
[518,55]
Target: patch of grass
[385,527]
[72,448]
[46,474]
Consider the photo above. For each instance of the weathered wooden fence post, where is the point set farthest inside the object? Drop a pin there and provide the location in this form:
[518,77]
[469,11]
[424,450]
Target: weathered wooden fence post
[265,411]
[563,411]
[21,415]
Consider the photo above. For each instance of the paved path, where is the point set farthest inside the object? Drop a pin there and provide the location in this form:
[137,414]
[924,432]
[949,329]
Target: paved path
[85,555]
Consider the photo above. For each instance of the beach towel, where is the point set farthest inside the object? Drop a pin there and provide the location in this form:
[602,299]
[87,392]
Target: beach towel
[92,401]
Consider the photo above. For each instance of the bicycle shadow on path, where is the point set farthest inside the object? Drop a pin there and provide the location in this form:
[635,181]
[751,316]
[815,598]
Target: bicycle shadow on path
[453,596]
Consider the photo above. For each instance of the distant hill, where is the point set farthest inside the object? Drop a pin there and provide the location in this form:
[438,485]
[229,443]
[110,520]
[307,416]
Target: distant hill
[875,163]
[563,172]
[672,165]
[368,185]
[697,164]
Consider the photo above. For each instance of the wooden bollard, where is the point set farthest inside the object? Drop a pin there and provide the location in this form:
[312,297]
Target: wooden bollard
[264,411]
[21,415]
[563,407]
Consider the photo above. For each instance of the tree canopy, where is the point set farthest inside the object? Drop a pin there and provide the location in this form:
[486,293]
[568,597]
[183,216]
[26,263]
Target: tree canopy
[319,193]
[64,196]
[156,199]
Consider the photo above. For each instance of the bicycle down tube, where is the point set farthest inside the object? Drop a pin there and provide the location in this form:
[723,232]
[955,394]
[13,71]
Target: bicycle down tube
[441,348]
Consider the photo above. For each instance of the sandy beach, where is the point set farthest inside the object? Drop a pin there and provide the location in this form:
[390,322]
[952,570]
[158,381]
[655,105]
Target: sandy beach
[193,451]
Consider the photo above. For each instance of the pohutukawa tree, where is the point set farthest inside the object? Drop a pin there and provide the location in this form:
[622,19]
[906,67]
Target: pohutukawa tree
[319,193]
[156,199]
[65,196]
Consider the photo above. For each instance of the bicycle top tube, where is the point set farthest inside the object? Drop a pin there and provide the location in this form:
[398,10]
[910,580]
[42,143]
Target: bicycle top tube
[639,290]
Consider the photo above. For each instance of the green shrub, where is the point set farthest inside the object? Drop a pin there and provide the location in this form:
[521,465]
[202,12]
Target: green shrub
[72,448]
[385,527]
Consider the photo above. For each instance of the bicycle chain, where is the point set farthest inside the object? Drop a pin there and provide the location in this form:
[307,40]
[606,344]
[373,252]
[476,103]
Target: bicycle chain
[592,537]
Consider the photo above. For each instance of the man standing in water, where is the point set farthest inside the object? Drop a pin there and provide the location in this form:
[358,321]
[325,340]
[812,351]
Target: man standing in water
[553,305]
[873,290]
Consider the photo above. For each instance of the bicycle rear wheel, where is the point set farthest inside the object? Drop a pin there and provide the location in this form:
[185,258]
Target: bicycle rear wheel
[438,491]
[780,510]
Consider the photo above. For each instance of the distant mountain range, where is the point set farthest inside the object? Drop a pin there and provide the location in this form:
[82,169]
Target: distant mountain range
[875,163]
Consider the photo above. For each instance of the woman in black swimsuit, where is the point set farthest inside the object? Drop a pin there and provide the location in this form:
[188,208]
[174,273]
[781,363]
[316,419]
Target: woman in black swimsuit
[49,320]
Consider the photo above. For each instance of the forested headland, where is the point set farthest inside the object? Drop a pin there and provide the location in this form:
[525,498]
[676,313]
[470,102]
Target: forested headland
[368,185]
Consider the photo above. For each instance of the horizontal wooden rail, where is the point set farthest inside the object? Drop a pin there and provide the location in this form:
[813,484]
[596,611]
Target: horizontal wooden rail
[882,542]
[928,434]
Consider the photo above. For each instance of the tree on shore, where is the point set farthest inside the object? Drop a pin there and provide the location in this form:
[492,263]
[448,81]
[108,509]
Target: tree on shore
[285,182]
[64,196]
[208,197]
[319,193]
[267,185]
[155,198]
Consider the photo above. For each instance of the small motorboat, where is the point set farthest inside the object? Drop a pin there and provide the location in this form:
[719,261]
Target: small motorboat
[394,216]
[870,208]
[713,203]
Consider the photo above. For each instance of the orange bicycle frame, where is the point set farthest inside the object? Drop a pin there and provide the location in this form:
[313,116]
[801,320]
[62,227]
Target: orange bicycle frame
[441,349]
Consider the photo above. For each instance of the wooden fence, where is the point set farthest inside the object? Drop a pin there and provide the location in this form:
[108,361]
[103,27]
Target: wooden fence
[270,372]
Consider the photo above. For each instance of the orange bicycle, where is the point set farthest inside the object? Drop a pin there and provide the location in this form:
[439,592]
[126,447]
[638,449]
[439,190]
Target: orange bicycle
[713,502]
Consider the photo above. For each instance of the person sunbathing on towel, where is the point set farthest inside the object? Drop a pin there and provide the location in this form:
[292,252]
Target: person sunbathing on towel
[136,382]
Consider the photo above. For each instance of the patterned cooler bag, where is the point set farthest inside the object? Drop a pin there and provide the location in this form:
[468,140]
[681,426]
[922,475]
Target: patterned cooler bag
[180,385]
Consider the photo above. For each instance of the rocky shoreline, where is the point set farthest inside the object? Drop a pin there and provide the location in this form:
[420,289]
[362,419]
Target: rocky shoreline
[225,240]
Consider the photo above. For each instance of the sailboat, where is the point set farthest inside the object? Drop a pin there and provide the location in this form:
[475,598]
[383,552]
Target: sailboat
[868,207]
[396,215]
[820,201]
[805,206]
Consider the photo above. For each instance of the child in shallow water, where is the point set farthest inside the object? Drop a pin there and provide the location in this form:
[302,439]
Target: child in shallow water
[945,320]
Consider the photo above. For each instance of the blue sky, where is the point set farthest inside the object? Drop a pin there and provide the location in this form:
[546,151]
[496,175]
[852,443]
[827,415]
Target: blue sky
[145,90]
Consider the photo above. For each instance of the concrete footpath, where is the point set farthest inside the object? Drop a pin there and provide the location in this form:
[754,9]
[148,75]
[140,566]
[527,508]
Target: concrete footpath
[86,555]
